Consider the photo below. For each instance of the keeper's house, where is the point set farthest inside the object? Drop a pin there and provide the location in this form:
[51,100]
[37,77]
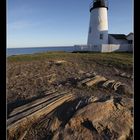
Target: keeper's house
[120,38]
[116,42]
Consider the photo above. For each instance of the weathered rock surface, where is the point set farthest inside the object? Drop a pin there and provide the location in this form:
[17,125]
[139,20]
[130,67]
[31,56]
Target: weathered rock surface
[107,120]
[101,81]
[87,118]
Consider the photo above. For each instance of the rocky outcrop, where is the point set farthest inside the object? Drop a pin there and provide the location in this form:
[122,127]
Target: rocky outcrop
[24,116]
[87,118]
[108,120]
[102,82]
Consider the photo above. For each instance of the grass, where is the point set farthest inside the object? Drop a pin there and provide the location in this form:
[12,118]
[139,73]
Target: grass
[37,56]
[120,60]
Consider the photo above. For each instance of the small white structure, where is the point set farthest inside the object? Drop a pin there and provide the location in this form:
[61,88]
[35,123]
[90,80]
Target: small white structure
[98,26]
[117,39]
[105,48]
[130,38]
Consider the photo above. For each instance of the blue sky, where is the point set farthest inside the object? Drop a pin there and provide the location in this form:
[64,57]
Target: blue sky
[36,23]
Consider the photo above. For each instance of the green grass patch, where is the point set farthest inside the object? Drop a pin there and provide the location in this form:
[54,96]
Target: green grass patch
[120,60]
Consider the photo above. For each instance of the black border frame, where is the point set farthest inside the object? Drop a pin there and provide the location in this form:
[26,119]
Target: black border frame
[3,69]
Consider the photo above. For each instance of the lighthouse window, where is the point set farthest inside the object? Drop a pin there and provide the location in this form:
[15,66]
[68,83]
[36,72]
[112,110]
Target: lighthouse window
[101,36]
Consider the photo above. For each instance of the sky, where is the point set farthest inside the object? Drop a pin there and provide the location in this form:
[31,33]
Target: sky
[39,23]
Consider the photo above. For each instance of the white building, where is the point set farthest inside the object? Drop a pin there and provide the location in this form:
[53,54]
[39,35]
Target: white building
[98,25]
[98,38]
[120,38]
[130,38]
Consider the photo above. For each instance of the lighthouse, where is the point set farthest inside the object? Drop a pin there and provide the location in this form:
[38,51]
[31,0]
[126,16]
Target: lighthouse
[98,26]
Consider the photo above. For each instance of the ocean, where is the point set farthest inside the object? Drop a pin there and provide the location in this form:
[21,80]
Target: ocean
[18,51]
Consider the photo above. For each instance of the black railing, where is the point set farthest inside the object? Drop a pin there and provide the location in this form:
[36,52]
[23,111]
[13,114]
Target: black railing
[102,2]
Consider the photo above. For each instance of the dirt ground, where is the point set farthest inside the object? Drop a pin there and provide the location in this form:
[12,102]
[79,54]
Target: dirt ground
[30,77]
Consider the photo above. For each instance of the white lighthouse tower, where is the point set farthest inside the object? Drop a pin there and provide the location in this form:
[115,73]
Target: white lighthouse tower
[98,26]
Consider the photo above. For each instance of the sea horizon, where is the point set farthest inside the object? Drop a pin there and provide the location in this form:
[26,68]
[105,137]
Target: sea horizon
[32,50]
[40,47]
